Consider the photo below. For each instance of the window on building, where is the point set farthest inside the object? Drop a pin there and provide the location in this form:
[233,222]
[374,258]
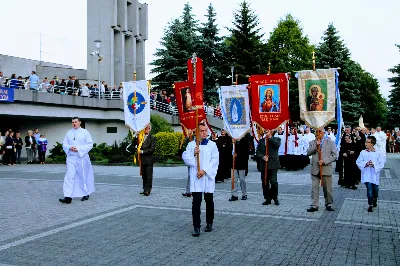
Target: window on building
[111,129]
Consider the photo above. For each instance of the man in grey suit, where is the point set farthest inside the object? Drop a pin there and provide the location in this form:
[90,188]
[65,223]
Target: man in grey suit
[270,190]
[147,158]
[329,155]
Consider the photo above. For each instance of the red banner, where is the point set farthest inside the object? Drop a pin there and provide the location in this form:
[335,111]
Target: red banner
[269,99]
[186,103]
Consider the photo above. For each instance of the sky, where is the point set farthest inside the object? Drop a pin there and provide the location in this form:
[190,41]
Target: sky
[369,28]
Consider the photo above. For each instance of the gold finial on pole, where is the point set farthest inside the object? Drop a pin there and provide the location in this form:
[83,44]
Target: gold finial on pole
[134,75]
[149,85]
[237,79]
[269,68]
[313,60]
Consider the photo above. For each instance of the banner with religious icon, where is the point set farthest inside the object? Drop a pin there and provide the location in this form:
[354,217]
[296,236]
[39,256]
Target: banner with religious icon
[269,99]
[187,104]
[136,104]
[317,96]
[235,108]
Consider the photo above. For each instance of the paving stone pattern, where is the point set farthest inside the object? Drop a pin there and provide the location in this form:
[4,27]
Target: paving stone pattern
[118,226]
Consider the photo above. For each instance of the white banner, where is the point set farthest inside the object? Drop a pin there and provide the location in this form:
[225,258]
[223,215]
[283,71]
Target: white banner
[235,108]
[136,104]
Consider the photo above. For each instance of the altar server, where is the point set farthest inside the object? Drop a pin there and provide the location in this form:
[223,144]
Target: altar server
[79,179]
[202,181]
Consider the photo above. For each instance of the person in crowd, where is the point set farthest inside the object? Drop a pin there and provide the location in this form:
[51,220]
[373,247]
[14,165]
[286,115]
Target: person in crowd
[9,155]
[42,148]
[202,181]
[33,81]
[1,79]
[241,157]
[328,156]
[281,152]
[30,145]
[186,141]
[26,83]
[371,162]
[20,83]
[147,157]
[225,157]
[76,82]
[271,161]
[79,178]
[18,146]
[13,82]
[339,161]
[294,151]
[381,139]
[330,134]
[349,153]
[2,142]
[36,134]
[391,140]
[398,141]
[85,92]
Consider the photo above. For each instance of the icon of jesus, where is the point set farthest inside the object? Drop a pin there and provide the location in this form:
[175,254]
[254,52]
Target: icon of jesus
[270,104]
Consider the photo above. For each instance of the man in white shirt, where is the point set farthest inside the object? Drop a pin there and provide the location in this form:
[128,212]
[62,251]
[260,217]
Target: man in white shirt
[330,134]
[381,142]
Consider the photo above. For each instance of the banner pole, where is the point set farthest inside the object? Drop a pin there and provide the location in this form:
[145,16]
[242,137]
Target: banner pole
[320,158]
[197,139]
[233,163]
[266,162]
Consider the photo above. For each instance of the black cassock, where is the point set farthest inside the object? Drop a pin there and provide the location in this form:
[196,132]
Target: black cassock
[225,158]
[349,163]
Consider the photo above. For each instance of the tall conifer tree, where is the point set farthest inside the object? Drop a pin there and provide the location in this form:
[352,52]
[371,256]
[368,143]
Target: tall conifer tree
[394,97]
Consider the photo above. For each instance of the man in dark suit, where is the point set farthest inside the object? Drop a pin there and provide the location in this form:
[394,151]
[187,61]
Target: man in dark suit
[270,189]
[241,155]
[147,160]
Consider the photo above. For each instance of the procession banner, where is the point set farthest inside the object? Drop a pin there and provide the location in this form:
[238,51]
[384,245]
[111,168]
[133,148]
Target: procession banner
[317,96]
[6,94]
[136,104]
[186,103]
[235,103]
[269,99]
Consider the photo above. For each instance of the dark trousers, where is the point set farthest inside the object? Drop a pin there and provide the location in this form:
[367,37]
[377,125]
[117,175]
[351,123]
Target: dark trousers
[196,204]
[372,192]
[147,176]
[42,156]
[9,155]
[270,190]
[19,155]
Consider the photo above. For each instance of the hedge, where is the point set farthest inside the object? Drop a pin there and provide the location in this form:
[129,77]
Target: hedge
[167,145]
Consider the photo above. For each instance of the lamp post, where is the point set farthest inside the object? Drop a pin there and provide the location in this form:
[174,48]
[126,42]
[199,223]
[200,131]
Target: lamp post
[232,68]
[98,43]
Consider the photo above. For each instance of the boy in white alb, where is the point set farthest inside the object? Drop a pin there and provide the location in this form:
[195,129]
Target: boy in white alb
[370,162]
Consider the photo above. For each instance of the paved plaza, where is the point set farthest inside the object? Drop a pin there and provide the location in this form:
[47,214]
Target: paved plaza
[118,226]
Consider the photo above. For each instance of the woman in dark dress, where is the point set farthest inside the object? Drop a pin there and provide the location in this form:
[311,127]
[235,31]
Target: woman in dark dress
[349,151]
[225,157]
[10,149]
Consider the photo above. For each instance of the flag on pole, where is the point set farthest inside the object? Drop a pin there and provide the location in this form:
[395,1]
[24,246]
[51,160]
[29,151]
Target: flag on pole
[235,103]
[339,116]
[317,96]
[136,104]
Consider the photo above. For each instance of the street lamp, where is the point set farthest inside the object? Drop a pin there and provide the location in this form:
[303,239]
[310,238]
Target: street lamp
[232,68]
[98,43]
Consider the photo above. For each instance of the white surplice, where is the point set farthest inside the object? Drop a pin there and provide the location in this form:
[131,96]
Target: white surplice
[281,150]
[368,173]
[292,149]
[79,179]
[303,144]
[209,160]
[381,143]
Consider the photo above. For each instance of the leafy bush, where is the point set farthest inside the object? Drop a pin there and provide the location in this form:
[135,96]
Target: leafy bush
[159,124]
[167,145]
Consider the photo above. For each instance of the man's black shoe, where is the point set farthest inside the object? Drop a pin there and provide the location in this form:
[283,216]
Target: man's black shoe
[141,193]
[196,232]
[276,202]
[187,195]
[208,228]
[375,203]
[353,187]
[244,197]
[66,200]
[233,198]
[329,208]
[370,209]
[85,198]
[312,209]
[266,202]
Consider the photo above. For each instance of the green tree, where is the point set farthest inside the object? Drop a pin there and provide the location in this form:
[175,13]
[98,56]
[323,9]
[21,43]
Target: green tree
[245,49]
[332,53]
[210,51]
[394,97]
[179,42]
[289,50]
[159,124]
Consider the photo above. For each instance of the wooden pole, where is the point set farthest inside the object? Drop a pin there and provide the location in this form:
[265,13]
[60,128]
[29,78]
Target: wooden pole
[197,139]
[233,163]
[320,157]
[265,162]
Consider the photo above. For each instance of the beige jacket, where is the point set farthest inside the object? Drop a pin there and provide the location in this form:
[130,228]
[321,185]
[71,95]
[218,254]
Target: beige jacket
[329,155]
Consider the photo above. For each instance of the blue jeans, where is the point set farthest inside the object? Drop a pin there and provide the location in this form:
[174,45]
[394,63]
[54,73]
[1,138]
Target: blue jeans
[372,192]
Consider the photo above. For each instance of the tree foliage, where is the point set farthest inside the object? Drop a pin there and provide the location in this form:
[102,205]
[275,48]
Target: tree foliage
[245,49]
[394,97]
[289,50]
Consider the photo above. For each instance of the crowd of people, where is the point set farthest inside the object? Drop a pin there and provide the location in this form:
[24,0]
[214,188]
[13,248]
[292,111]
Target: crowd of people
[11,145]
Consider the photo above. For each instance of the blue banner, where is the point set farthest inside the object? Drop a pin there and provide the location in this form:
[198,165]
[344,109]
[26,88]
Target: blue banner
[339,116]
[6,94]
